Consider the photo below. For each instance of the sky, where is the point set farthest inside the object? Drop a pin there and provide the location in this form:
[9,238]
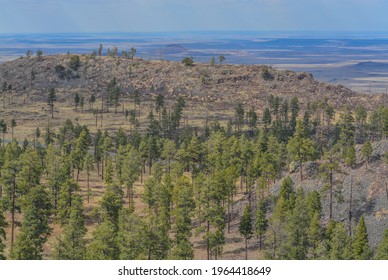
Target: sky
[94,16]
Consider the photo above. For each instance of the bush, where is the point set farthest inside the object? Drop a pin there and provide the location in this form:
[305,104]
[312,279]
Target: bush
[266,74]
[188,61]
[74,62]
[60,71]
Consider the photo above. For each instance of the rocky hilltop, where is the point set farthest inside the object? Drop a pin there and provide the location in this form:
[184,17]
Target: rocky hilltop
[223,84]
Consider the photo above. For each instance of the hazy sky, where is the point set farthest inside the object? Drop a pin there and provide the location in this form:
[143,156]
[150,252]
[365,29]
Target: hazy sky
[51,16]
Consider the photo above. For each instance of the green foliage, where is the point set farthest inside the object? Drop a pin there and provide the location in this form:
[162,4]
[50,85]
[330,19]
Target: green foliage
[35,228]
[295,246]
[188,61]
[51,98]
[104,245]
[221,58]
[130,238]
[239,115]
[113,93]
[266,74]
[72,244]
[340,243]
[367,150]
[213,61]
[39,54]
[76,100]
[3,225]
[74,62]
[195,171]
[328,169]
[65,201]
[361,249]
[246,228]
[314,235]
[261,223]
[111,203]
[382,251]
[300,148]
[184,209]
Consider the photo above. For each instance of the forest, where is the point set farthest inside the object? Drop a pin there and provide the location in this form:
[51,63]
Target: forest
[191,182]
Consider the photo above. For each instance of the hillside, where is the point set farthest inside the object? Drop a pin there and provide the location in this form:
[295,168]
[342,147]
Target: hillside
[192,166]
[221,85]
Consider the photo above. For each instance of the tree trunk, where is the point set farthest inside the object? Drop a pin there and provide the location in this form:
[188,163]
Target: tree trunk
[246,248]
[350,205]
[87,178]
[331,197]
[129,196]
[228,216]
[300,170]
[78,175]
[13,214]
[386,189]
[207,240]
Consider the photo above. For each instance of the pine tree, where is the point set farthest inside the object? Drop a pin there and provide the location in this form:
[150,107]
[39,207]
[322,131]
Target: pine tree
[30,173]
[111,203]
[76,100]
[295,245]
[108,171]
[89,167]
[130,238]
[214,214]
[267,118]
[328,169]
[156,237]
[65,201]
[150,192]
[367,151]
[12,190]
[79,153]
[314,235]
[239,116]
[130,173]
[104,244]
[3,128]
[35,227]
[300,147]
[183,199]
[340,243]
[51,98]
[13,125]
[261,222]
[246,228]
[382,251]
[168,151]
[72,244]
[361,249]
[58,170]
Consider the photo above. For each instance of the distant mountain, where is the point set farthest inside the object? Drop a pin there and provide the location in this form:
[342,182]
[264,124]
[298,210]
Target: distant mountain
[174,49]
[371,65]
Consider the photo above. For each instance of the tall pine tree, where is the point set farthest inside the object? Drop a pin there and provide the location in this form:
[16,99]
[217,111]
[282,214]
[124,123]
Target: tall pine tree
[35,228]
[361,249]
